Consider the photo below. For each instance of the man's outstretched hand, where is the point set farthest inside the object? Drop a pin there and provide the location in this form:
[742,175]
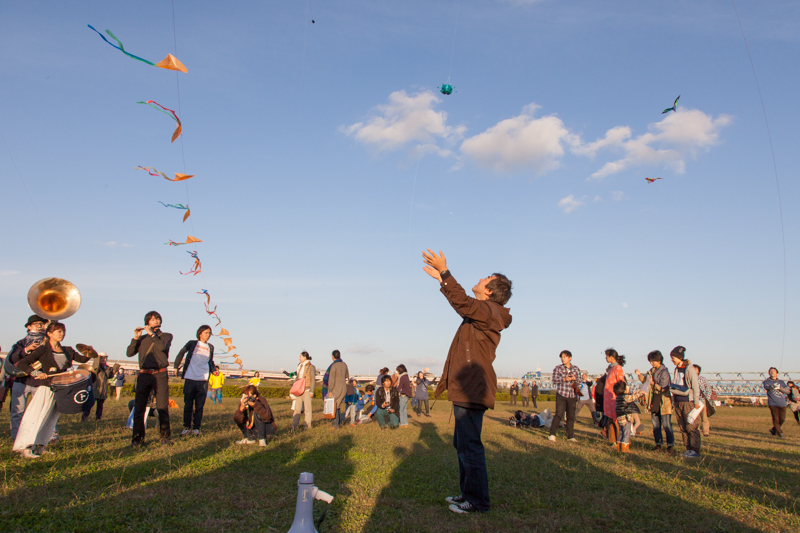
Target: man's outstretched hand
[434,264]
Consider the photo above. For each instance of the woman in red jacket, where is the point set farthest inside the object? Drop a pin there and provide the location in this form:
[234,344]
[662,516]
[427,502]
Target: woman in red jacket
[614,374]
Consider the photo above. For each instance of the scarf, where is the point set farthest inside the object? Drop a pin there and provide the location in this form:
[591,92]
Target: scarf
[33,337]
[301,368]
[326,377]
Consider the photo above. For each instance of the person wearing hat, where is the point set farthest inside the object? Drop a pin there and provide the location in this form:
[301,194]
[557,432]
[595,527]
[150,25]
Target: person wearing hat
[685,389]
[102,373]
[24,386]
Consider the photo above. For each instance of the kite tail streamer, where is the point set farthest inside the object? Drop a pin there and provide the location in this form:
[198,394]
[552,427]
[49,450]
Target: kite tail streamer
[120,47]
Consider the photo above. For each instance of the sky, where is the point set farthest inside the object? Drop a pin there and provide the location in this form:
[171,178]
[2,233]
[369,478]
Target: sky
[326,160]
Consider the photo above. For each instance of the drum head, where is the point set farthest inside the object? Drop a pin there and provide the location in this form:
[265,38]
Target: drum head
[69,378]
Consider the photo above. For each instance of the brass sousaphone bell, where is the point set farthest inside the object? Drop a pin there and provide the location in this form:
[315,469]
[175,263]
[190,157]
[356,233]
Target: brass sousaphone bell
[54,298]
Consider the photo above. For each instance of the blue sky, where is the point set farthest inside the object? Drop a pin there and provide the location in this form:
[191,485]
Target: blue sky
[306,141]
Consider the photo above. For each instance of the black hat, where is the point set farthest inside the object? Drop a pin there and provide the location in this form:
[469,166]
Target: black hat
[678,352]
[34,319]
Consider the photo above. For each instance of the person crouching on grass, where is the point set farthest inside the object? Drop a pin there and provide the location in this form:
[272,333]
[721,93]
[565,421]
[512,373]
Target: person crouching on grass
[468,375]
[387,399]
[626,409]
[254,417]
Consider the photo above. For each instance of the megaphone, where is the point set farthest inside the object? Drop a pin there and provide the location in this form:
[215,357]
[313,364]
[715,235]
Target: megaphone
[304,511]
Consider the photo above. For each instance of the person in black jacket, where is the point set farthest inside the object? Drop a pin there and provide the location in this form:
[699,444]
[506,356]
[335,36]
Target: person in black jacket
[153,349]
[254,417]
[387,399]
[24,386]
[199,365]
[41,416]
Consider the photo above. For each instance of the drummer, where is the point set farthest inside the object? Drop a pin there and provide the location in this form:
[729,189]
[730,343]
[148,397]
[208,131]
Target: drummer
[39,421]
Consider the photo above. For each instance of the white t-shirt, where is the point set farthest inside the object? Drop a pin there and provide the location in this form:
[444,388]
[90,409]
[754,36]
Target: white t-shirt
[198,366]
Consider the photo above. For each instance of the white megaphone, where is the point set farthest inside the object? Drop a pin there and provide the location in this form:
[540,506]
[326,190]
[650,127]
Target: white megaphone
[304,512]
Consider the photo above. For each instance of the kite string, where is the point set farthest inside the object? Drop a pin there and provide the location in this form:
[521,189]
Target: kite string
[303,61]
[453,51]
[413,188]
[775,168]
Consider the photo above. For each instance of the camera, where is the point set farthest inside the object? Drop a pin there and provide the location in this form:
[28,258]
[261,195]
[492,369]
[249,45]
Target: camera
[248,399]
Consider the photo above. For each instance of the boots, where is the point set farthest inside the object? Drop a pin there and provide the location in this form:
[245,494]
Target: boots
[613,432]
[624,447]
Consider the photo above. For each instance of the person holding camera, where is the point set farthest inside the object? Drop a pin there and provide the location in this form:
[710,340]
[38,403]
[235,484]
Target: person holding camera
[254,417]
[387,399]
[659,400]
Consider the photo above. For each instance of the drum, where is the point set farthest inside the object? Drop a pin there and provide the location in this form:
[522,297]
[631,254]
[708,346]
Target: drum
[72,390]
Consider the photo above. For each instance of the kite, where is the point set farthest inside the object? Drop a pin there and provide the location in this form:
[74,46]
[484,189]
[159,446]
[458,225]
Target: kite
[446,89]
[223,331]
[208,296]
[674,106]
[228,342]
[170,62]
[189,240]
[164,110]
[178,206]
[214,314]
[652,180]
[195,267]
[154,172]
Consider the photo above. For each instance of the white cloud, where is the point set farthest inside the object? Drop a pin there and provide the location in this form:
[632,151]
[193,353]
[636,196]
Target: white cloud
[598,199]
[113,244]
[570,204]
[406,119]
[363,349]
[618,196]
[668,143]
[521,143]
[9,272]
[624,305]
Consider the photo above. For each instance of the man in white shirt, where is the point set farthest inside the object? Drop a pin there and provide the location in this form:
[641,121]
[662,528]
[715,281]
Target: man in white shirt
[199,364]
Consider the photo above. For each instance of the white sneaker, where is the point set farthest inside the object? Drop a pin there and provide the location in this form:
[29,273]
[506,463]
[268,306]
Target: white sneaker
[185,432]
[551,438]
[28,454]
[262,443]
[246,441]
[573,439]
[196,432]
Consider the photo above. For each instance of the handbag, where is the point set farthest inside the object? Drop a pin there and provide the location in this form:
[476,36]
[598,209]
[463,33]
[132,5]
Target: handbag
[710,409]
[298,387]
[329,408]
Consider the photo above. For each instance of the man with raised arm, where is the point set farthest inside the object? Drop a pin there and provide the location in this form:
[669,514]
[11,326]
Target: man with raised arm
[468,375]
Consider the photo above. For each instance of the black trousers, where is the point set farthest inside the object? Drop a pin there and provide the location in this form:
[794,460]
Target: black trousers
[533,398]
[419,406]
[259,430]
[473,475]
[194,398]
[564,406]
[146,383]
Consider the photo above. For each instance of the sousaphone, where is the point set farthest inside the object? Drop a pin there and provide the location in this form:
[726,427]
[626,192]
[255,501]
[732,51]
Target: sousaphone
[54,298]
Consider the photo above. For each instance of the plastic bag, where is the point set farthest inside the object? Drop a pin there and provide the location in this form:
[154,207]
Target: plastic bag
[693,414]
[329,408]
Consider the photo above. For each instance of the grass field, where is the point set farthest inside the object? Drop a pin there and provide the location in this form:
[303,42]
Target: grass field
[397,480]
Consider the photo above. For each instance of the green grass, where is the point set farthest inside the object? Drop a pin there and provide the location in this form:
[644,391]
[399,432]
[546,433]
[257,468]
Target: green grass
[397,480]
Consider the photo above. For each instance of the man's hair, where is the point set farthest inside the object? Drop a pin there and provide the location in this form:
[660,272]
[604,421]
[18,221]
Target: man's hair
[369,388]
[679,352]
[566,352]
[336,354]
[402,368]
[501,289]
[201,329]
[53,326]
[385,378]
[150,315]
[770,368]
[655,355]
[619,387]
[697,367]
[250,390]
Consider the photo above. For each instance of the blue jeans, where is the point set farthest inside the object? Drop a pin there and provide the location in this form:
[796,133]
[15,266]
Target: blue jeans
[473,477]
[664,421]
[17,405]
[625,430]
[382,414]
[215,395]
[403,410]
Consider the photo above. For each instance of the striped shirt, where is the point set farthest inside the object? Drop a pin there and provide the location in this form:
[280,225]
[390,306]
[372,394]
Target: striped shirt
[564,388]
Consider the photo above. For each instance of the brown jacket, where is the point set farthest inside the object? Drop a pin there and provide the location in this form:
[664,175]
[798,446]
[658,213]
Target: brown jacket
[261,409]
[468,375]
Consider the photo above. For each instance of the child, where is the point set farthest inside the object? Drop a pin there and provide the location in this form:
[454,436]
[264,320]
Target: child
[365,407]
[626,407]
